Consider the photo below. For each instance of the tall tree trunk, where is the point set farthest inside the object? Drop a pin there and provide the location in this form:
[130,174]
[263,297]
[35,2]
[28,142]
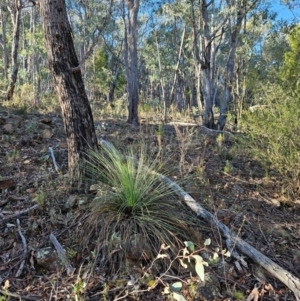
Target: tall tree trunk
[162,82]
[132,61]
[3,43]
[69,85]
[112,86]
[15,8]
[229,80]
[177,67]
[196,57]
[241,7]
[208,118]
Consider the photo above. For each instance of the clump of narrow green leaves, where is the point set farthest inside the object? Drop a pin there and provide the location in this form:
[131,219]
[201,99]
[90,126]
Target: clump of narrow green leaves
[138,210]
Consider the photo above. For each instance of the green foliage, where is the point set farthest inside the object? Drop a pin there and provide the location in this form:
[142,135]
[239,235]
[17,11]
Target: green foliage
[106,69]
[273,131]
[238,295]
[13,155]
[188,258]
[291,67]
[136,205]
[227,167]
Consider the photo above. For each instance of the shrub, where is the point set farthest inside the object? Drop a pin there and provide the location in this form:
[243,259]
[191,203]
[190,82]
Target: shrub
[273,130]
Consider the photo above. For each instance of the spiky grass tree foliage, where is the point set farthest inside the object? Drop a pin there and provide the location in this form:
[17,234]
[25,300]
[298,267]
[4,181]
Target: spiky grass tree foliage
[137,212]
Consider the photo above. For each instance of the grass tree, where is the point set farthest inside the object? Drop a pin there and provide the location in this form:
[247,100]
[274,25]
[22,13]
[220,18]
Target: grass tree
[135,213]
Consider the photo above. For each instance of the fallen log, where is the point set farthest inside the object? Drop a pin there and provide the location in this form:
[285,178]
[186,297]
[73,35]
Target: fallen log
[232,240]
[292,282]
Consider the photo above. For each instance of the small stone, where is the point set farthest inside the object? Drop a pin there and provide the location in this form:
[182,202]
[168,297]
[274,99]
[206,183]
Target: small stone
[48,259]
[8,128]
[47,134]
[72,201]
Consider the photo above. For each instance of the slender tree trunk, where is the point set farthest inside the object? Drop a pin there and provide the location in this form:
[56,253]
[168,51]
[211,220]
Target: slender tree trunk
[162,82]
[15,11]
[4,46]
[197,60]
[229,80]
[69,85]
[208,118]
[177,67]
[112,86]
[132,61]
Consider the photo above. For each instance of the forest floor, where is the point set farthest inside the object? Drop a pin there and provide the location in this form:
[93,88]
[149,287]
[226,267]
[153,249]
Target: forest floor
[222,178]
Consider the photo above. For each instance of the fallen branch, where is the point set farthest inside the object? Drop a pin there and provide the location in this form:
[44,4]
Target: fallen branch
[20,297]
[232,240]
[53,159]
[19,213]
[19,272]
[292,282]
[61,254]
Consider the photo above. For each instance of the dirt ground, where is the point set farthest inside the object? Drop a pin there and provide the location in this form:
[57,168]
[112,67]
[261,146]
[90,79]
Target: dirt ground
[229,184]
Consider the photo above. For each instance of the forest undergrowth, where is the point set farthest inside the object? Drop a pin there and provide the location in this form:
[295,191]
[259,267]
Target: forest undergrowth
[215,168]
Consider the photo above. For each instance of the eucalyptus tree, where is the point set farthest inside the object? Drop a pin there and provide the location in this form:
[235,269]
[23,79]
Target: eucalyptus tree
[130,19]
[89,19]
[68,81]
[15,7]
[238,11]
[108,61]
[164,55]
[3,41]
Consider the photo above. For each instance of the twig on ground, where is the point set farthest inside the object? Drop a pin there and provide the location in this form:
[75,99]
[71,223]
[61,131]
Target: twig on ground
[19,213]
[20,297]
[62,254]
[19,272]
[53,159]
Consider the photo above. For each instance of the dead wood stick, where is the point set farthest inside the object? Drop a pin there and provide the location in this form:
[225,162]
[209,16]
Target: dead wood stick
[19,272]
[20,297]
[53,158]
[292,282]
[232,240]
[18,213]
[61,254]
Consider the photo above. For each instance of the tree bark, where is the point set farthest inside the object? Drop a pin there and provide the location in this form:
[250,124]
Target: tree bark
[132,61]
[15,10]
[3,43]
[229,78]
[69,85]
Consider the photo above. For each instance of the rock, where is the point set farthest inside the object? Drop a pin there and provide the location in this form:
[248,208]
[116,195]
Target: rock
[8,128]
[48,259]
[46,134]
[72,201]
